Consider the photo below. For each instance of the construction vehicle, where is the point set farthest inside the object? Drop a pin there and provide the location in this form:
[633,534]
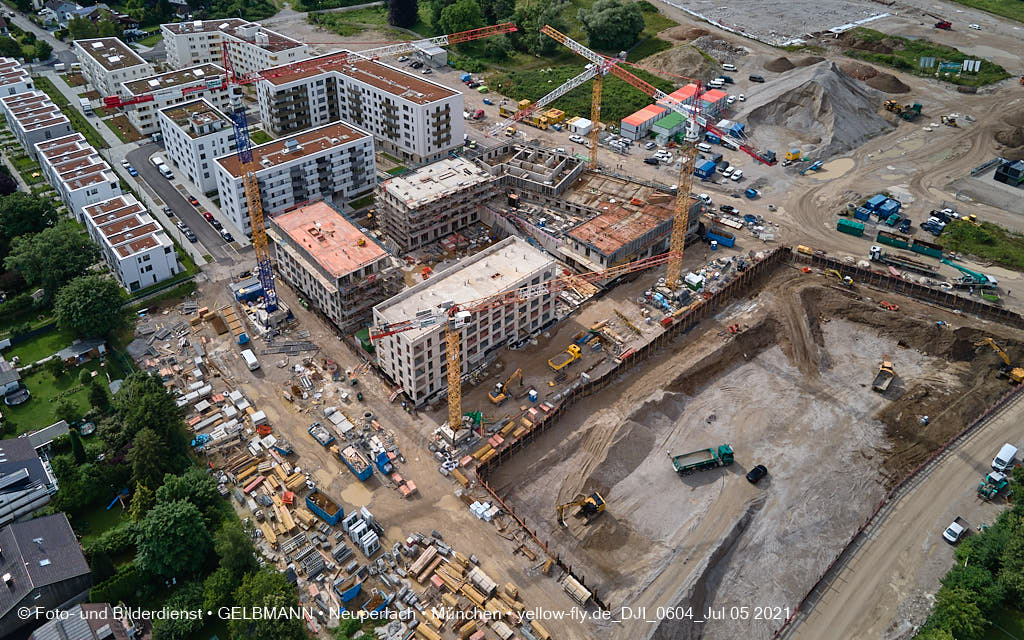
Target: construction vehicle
[510,131]
[884,377]
[501,389]
[949,121]
[972,219]
[589,508]
[992,484]
[846,280]
[687,463]
[956,530]
[1015,374]
[905,111]
[567,357]
[945,25]
[814,166]
[972,278]
[539,120]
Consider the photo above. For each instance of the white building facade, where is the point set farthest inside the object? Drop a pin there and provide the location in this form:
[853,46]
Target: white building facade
[134,245]
[33,118]
[253,48]
[335,160]
[78,173]
[175,87]
[107,62]
[195,134]
[13,78]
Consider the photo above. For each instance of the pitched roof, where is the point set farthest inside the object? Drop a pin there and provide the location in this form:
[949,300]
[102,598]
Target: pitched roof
[37,553]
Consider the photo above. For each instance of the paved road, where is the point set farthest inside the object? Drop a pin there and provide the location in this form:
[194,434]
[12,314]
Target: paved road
[902,556]
[165,189]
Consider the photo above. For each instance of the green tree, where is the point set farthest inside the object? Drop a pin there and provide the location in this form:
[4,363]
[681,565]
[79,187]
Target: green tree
[266,588]
[67,410]
[1011,574]
[22,213]
[9,47]
[90,306]
[235,549]
[957,613]
[79,27]
[55,366]
[173,540]
[99,398]
[136,9]
[612,25]
[934,634]
[143,402]
[461,16]
[217,589]
[141,503]
[33,255]
[977,580]
[147,457]
[188,597]
[497,11]
[43,50]
[530,18]
[194,486]
[403,13]
[436,7]
[77,450]
[108,28]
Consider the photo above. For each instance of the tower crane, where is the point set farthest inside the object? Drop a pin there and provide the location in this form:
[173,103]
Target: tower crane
[454,316]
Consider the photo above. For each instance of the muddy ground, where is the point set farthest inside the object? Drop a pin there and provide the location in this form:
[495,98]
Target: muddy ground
[791,392]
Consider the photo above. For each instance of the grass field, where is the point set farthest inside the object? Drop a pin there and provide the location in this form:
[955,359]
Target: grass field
[989,241]
[95,522]
[38,412]
[154,37]
[906,58]
[1007,624]
[259,136]
[40,347]
[350,23]
[1006,8]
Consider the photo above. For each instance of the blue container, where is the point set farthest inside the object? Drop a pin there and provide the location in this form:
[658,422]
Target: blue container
[325,508]
[875,201]
[383,462]
[705,170]
[712,138]
[533,395]
[721,236]
[862,214]
[464,77]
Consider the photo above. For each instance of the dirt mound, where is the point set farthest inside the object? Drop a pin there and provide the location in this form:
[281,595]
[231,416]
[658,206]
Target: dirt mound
[778,65]
[685,34]
[1011,137]
[682,60]
[859,70]
[808,61]
[885,45]
[819,105]
[719,49]
[888,83]
[1015,119]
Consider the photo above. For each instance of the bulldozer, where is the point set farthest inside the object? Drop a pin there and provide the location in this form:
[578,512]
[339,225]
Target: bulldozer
[589,507]
[501,389]
[1015,374]
[949,121]
[905,111]
[846,280]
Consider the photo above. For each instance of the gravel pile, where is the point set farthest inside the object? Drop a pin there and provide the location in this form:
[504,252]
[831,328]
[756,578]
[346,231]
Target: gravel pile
[859,70]
[888,83]
[808,61]
[721,50]
[779,65]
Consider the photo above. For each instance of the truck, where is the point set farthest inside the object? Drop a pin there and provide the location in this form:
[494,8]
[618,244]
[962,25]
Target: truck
[992,484]
[356,462]
[321,434]
[567,357]
[956,530]
[250,359]
[326,509]
[702,459]
[884,377]
[86,105]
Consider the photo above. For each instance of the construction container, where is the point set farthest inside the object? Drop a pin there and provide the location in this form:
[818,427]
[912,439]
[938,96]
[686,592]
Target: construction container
[357,462]
[324,507]
[875,201]
[850,227]
[893,239]
[705,170]
[720,235]
[889,207]
[862,214]
[926,248]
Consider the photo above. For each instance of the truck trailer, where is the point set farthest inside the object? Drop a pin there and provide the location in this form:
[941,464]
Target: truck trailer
[702,459]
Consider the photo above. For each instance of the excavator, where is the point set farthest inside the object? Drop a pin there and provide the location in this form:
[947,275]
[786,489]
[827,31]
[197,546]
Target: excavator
[1015,374]
[846,280]
[501,389]
[589,508]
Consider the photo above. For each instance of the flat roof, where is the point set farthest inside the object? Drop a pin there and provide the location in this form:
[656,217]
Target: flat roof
[644,115]
[111,53]
[620,224]
[190,115]
[76,163]
[494,270]
[436,180]
[11,72]
[125,225]
[278,152]
[376,74]
[329,238]
[34,110]
[239,28]
[684,93]
[714,95]
[190,75]
[670,121]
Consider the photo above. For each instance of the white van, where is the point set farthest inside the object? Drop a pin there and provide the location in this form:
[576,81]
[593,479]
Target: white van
[165,171]
[716,83]
[705,147]
[1005,458]
[250,359]
[729,67]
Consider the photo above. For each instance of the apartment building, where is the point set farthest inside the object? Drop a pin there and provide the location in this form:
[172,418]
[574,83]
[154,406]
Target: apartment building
[13,78]
[335,160]
[415,359]
[438,199]
[195,133]
[411,117]
[32,118]
[107,62]
[78,173]
[134,245]
[336,266]
[253,48]
[171,88]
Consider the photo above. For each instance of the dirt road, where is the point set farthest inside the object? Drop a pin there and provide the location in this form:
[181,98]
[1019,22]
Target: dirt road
[882,590]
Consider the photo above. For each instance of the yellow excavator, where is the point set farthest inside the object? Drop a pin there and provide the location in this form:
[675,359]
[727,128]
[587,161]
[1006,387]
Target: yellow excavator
[846,280]
[501,389]
[1015,374]
[589,507]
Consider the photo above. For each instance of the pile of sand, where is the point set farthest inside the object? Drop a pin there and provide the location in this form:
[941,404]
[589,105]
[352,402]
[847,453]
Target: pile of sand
[1013,139]
[820,105]
[682,60]
[808,61]
[685,34]
[859,70]
[778,65]
[1015,119]
[888,83]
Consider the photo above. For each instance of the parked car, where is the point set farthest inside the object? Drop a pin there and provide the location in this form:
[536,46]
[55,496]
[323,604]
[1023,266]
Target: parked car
[416,64]
[168,212]
[729,67]
[227,236]
[577,139]
[132,171]
[726,79]
[754,475]
[736,175]
[756,78]
[216,224]
[488,101]
[191,236]
[653,161]
[426,71]
[730,100]
[208,216]
[726,172]
[403,58]
[650,145]
[976,27]
[741,98]
[125,164]
[728,208]
[192,200]
[473,85]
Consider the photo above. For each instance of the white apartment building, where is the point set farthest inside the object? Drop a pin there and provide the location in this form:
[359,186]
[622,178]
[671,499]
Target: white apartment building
[78,173]
[134,245]
[175,87]
[335,160]
[13,78]
[253,48]
[107,62]
[415,359]
[411,117]
[195,133]
[32,117]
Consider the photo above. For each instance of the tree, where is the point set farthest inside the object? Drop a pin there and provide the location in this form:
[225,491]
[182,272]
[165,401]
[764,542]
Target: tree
[22,213]
[530,18]
[173,540]
[80,27]
[611,24]
[77,450]
[141,503]
[193,486]
[461,16]
[136,9]
[90,306]
[266,588]
[108,28]
[9,47]
[55,366]
[8,184]
[143,402]
[436,7]
[67,410]
[43,50]
[934,634]
[188,597]
[957,613]
[147,458]
[403,13]
[33,255]
[496,11]
[98,396]
[976,580]
[235,549]
[1011,575]
[217,589]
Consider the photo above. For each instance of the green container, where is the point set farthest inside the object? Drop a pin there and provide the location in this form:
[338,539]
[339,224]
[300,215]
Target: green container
[850,227]
[893,240]
[926,248]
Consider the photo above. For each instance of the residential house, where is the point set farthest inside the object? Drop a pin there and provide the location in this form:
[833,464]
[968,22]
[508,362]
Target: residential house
[88,622]
[26,480]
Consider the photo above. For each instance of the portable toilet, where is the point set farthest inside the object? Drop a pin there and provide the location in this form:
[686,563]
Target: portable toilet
[714,245]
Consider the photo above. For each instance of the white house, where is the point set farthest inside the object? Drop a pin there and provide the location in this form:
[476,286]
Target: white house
[77,172]
[13,78]
[32,117]
[107,62]
[195,133]
[174,87]
[253,48]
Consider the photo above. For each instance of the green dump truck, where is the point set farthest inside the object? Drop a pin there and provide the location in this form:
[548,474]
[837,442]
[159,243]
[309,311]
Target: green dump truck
[702,459]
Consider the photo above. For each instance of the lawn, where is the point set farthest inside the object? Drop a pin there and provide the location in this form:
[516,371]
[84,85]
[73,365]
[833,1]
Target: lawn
[154,37]
[989,242]
[97,521]
[350,23]
[124,130]
[1007,624]
[906,58]
[73,79]
[365,201]
[1005,8]
[40,346]
[38,411]
[259,136]
[320,5]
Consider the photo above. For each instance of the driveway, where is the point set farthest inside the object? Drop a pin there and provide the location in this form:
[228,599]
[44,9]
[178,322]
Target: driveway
[166,190]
